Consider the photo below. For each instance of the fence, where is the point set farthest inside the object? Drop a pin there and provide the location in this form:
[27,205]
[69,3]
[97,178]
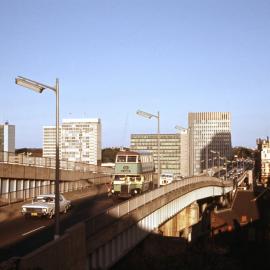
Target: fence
[28,193]
[12,158]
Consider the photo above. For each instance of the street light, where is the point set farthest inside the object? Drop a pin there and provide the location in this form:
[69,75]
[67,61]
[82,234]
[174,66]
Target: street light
[218,154]
[39,87]
[149,116]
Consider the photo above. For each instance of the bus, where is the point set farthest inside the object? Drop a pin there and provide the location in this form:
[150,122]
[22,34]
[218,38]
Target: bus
[165,179]
[133,174]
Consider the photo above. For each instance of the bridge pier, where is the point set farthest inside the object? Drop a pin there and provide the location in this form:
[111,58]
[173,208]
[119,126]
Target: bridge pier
[181,223]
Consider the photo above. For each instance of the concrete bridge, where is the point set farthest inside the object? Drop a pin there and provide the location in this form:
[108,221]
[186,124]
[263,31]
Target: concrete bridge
[23,177]
[99,242]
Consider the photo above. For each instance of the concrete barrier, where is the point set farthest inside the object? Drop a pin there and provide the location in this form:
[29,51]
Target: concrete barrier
[67,252]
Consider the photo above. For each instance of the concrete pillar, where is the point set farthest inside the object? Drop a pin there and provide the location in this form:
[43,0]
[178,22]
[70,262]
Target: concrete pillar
[32,188]
[194,214]
[20,189]
[26,189]
[5,188]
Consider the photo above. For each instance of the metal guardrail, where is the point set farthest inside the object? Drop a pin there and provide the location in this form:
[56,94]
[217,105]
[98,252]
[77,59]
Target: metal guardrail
[102,220]
[20,159]
[28,193]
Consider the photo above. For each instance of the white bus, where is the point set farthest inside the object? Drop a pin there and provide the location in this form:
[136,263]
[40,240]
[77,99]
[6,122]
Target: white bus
[165,179]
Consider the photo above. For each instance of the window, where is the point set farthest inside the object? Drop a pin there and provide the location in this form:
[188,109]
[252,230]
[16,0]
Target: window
[132,158]
[121,159]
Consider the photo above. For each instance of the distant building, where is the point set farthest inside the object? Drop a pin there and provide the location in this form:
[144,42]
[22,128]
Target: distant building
[79,141]
[208,131]
[170,151]
[264,148]
[184,153]
[49,133]
[7,138]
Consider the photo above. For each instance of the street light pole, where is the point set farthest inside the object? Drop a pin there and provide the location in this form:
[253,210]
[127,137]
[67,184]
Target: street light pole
[39,88]
[57,163]
[149,116]
[158,131]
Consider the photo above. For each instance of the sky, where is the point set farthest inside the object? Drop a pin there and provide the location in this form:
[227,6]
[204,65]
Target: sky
[114,57]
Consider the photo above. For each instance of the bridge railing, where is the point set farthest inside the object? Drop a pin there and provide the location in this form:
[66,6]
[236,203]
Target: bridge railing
[30,192]
[26,160]
[102,220]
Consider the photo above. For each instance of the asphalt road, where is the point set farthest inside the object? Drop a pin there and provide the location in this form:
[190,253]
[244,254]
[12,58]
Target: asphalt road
[22,235]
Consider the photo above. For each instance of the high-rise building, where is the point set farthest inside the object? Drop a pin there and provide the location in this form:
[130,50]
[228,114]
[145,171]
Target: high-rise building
[264,148]
[184,150]
[170,150]
[79,141]
[7,138]
[208,132]
[49,141]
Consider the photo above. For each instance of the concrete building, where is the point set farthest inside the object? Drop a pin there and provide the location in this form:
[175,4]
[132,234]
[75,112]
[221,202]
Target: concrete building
[80,141]
[7,138]
[208,131]
[264,148]
[184,150]
[49,141]
[170,151]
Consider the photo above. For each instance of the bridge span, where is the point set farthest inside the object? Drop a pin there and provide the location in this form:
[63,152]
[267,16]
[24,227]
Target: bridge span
[23,177]
[101,241]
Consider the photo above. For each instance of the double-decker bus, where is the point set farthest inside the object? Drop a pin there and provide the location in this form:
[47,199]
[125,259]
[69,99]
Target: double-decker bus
[133,174]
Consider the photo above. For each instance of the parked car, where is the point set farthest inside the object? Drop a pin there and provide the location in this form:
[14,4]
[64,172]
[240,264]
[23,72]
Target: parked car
[44,205]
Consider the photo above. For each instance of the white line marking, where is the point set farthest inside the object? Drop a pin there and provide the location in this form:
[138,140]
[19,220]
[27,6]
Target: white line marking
[33,230]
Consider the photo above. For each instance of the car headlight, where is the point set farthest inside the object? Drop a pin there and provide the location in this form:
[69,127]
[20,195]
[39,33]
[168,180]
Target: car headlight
[23,209]
[44,210]
[112,191]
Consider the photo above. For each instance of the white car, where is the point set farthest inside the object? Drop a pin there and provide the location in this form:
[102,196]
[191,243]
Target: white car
[44,205]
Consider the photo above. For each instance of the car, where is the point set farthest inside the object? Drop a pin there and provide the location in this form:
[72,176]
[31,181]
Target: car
[44,205]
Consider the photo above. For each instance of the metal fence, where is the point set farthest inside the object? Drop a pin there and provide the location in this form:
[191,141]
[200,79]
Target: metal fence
[21,159]
[28,193]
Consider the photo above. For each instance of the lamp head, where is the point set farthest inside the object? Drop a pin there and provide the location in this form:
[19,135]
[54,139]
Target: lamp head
[29,84]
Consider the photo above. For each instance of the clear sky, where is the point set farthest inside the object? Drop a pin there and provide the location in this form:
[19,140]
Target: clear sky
[116,56]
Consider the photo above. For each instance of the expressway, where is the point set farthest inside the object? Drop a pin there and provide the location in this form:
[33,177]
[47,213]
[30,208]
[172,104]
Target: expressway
[20,236]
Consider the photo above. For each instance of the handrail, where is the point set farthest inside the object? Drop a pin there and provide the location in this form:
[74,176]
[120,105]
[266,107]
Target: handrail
[12,158]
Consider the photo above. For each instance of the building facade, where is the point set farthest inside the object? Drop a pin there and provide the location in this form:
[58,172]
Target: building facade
[49,140]
[184,153]
[210,138]
[80,141]
[170,150]
[7,138]
[264,148]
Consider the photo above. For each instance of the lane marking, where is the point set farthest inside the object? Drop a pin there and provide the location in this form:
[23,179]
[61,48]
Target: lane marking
[39,228]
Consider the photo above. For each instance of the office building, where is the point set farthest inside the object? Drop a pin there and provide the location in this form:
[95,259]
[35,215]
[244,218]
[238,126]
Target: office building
[49,133]
[264,148]
[7,138]
[184,150]
[208,132]
[170,150]
[79,141]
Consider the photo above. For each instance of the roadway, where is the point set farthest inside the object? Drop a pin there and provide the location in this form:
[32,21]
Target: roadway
[21,235]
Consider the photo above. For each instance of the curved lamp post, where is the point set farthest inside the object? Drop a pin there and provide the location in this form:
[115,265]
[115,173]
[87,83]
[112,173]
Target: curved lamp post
[149,116]
[39,88]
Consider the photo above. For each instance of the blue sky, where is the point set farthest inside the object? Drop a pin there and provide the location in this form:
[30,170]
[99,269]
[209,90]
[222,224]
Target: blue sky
[114,57]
